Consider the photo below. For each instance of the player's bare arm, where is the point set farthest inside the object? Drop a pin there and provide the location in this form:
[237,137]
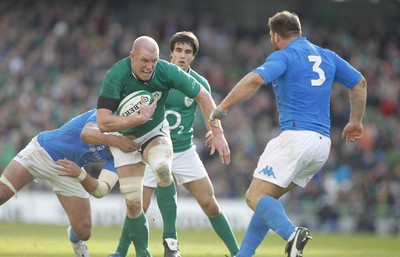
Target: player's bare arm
[96,187]
[358,98]
[68,168]
[108,122]
[92,135]
[219,142]
[243,90]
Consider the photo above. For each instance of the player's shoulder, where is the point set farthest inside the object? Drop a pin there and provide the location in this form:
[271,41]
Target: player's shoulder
[165,69]
[120,67]
[163,64]
[169,72]
[202,80]
[303,46]
[84,116]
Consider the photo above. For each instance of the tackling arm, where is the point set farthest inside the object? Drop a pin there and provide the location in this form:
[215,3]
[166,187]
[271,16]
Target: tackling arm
[91,134]
[243,90]
[96,187]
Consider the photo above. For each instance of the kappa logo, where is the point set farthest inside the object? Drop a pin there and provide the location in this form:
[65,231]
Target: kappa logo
[268,171]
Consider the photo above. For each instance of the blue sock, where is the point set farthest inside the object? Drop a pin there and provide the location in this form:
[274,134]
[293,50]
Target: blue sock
[253,237]
[271,211]
[72,237]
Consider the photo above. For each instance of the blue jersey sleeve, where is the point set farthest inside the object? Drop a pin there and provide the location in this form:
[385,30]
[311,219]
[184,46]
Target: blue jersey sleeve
[65,142]
[302,76]
[346,74]
[273,67]
[92,118]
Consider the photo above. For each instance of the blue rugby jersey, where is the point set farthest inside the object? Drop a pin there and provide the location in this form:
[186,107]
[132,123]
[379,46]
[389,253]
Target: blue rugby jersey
[302,75]
[66,142]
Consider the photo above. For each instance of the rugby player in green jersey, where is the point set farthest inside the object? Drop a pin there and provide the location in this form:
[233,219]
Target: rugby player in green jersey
[143,70]
[187,167]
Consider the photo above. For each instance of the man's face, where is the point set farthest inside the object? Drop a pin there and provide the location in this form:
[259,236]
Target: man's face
[182,55]
[143,63]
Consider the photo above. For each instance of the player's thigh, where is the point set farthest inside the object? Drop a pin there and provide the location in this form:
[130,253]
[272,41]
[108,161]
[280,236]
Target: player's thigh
[287,155]
[203,191]
[313,161]
[149,179]
[131,170]
[78,211]
[17,175]
[158,140]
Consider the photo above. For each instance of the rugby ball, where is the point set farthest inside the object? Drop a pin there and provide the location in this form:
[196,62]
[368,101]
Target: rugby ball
[130,105]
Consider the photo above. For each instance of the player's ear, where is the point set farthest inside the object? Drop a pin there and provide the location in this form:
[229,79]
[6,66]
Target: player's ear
[276,39]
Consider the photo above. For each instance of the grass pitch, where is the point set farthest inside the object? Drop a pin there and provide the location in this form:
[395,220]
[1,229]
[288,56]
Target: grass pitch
[29,240]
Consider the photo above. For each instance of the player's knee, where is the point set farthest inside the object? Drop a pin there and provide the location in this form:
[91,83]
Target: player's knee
[250,200]
[133,208]
[210,208]
[83,231]
[132,189]
[160,160]
[163,173]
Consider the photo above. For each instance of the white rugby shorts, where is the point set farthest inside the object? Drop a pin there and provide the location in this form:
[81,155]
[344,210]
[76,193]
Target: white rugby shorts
[121,158]
[294,156]
[186,167]
[42,167]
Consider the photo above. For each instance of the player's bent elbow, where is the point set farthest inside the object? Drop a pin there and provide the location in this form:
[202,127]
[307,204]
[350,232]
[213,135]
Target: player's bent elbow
[360,90]
[101,190]
[362,85]
[85,136]
[106,181]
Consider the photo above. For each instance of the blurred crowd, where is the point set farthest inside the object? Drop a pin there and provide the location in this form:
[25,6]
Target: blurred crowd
[54,54]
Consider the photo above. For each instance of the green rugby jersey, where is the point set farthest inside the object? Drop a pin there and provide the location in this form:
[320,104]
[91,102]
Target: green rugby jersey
[181,112]
[119,82]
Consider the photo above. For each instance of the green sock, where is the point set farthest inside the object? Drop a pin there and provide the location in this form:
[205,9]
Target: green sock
[124,239]
[166,200]
[139,233]
[224,231]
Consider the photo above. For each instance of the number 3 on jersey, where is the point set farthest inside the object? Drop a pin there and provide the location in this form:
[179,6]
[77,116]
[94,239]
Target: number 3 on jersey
[316,68]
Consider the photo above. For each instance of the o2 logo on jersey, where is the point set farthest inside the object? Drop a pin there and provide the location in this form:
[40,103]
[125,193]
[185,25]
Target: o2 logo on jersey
[316,68]
[188,101]
[178,120]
